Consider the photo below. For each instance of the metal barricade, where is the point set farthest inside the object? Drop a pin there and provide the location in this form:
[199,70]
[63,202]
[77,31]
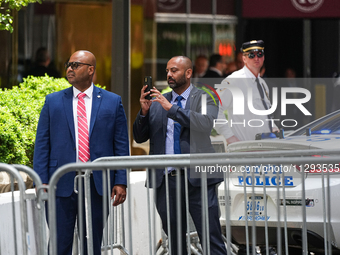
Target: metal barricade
[286,227]
[38,207]
[22,238]
[250,192]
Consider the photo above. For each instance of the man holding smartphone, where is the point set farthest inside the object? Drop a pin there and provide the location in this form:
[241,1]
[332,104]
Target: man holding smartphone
[80,124]
[171,122]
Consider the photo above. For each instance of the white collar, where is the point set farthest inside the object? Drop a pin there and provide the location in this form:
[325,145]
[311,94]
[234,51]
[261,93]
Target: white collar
[88,92]
[249,73]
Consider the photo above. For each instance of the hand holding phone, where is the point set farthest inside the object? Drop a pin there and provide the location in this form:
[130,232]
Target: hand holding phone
[148,81]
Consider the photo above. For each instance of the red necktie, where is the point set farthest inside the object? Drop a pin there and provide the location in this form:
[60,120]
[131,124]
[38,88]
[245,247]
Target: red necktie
[83,130]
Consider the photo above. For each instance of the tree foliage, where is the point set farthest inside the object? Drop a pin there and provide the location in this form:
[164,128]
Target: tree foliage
[6,19]
[19,114]
[20,109]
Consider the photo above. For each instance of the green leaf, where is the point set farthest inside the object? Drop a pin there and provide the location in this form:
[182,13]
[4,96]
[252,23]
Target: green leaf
[12,5]
[19,114]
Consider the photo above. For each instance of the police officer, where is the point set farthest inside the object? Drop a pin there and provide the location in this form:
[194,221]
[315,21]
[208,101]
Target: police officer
[245,126]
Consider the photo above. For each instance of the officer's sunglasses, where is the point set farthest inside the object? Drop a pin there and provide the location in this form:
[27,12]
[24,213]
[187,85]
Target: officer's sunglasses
[259,54]
[74,65]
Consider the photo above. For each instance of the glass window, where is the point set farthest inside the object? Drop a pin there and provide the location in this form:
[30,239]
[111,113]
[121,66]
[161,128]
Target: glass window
[201,40]
[79,29]
[170,42]
[327,125]
[225,41]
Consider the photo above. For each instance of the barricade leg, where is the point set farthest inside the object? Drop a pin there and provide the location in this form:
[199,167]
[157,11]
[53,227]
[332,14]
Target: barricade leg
[23,209]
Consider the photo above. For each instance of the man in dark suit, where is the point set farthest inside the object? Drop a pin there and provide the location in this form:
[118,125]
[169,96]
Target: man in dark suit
[217,67]
[42,65]
[62,138]
[157,121]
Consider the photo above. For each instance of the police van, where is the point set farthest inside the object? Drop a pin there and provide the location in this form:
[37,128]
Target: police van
[267,194]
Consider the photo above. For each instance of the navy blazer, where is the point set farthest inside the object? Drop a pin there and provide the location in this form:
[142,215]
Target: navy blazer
[55,143]
[195,129]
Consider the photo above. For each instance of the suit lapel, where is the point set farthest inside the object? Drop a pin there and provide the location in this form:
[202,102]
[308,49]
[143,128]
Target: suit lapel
[190,101]
[68,107]
[96,100]
[168,96]
[191,96]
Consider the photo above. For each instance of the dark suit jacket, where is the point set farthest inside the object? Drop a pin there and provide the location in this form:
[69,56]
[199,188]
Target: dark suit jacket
[195,131]
[55,140]
[212,74]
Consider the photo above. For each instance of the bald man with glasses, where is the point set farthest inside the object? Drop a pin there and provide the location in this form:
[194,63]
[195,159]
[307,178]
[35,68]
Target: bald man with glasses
[80,124]
[241,127]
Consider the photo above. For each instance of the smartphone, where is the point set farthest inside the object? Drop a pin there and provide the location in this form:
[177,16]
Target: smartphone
[148,81]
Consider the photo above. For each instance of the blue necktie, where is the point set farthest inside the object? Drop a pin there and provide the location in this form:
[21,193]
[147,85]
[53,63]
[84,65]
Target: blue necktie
[177,130]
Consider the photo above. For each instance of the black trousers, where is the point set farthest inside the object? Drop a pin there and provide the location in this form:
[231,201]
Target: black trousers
[217,245]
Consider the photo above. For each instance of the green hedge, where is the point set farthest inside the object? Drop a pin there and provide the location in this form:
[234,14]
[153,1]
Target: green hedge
[19,114]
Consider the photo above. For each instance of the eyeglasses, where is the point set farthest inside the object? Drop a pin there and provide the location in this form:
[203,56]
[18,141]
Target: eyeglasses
[259,54]
[74,65]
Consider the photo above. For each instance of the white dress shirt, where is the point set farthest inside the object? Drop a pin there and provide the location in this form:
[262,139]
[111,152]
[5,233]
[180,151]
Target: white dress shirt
[169,141]
[239,125]
[88,106]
